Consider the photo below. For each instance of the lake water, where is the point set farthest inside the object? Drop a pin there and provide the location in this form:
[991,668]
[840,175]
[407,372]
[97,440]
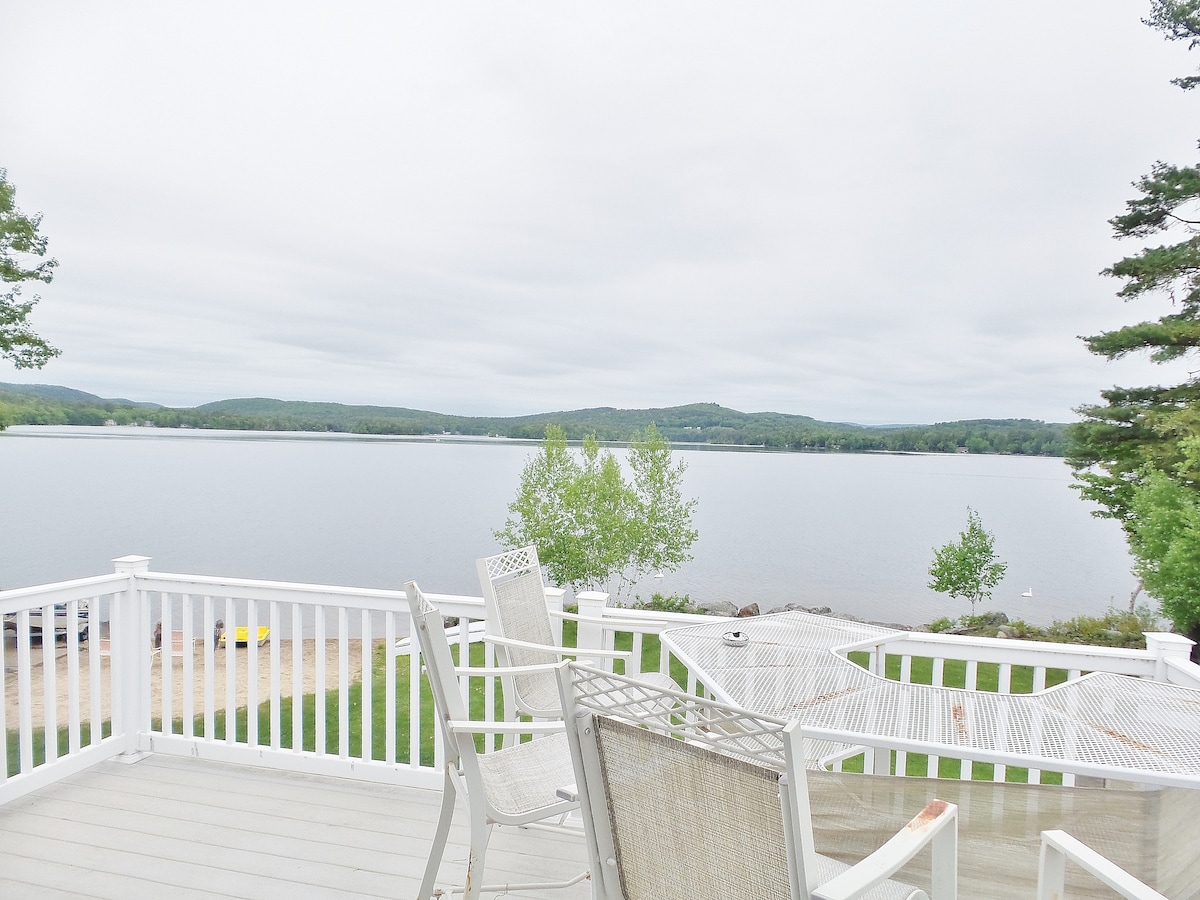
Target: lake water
[853,532]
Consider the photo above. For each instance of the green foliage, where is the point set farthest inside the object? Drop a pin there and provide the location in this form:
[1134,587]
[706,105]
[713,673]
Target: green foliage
[1136,454]
[664,603]
[589,524]
[20,245]
[1116,628]
[967,567]
[1164,529]
[1178,20]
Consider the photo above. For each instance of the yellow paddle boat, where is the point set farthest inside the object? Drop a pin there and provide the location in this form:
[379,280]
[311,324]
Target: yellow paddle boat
[241,636]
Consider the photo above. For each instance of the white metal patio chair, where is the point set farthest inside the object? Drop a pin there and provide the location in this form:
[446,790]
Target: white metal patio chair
[520,628]
[1058,847]
[513,786]
[688,797]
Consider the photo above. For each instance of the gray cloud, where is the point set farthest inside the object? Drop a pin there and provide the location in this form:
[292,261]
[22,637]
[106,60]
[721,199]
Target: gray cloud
[870,212]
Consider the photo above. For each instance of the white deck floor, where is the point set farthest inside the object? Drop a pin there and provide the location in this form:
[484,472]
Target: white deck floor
[183,828]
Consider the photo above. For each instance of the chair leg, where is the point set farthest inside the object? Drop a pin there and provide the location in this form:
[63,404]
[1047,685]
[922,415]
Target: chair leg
[439,837]
[481,832]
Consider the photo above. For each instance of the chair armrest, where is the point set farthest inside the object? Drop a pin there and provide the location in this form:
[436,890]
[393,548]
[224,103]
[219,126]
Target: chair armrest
[471,726]
[560,651]
[1058,847]
[924,827]
[486,671]
[614,623]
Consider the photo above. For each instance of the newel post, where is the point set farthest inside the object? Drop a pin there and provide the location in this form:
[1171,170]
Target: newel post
[1164,645]
[129,639]
[554,603]
[591,605]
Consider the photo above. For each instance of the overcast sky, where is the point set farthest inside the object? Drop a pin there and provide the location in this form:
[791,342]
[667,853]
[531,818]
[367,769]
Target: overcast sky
[875,212]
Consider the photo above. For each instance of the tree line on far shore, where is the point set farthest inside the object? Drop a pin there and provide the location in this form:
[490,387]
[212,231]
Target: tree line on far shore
[700,423]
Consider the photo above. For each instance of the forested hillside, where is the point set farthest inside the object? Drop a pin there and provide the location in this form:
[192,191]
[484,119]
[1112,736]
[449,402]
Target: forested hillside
[699,423]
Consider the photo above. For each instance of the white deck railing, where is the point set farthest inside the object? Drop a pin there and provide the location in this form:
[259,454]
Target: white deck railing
[329,692]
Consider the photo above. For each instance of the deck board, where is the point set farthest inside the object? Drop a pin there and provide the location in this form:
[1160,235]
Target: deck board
[186,828]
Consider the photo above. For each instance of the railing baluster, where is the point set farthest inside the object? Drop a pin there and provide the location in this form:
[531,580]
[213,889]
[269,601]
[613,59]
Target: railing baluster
[95,685]
[297,681]
[367,711]
[389,688]
[166,664]
[230,671]
[73,740]
[489,685]
[4,750]
[276,675]
[49,685]
[251,672]
[210,665]
[319,680]
[24,691]
[415,723]
[343,685]
[189,665]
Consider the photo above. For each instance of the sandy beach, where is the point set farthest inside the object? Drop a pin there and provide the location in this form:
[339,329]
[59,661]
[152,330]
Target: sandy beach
[176,662]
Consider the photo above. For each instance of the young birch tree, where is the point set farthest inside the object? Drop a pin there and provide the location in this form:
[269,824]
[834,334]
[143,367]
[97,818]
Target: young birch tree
[590,525]
[968,567]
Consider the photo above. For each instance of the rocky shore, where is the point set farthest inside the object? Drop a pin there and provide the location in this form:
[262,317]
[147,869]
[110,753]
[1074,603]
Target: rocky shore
[726,608]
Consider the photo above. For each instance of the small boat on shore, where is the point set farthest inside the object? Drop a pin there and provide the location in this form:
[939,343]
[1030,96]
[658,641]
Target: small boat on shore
[241,636]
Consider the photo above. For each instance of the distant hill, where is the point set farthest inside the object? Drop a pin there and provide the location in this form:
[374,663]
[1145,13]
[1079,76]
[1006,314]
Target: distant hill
[696,423]
[65,394]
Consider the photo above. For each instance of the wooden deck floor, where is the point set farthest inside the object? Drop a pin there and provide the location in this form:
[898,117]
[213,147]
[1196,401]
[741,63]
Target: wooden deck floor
[182,828]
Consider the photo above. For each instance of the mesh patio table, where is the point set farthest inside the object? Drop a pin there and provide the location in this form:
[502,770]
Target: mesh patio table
[793,665]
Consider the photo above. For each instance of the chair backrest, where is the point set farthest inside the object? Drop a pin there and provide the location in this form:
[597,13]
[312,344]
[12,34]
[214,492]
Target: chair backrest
[429,629]
[701,816]
[692,797]
[688,822]
[514,596]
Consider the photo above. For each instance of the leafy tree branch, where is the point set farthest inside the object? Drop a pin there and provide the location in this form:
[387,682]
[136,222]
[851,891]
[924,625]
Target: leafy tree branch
[22,252]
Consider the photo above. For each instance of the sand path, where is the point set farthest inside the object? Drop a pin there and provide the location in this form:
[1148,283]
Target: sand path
[38,679]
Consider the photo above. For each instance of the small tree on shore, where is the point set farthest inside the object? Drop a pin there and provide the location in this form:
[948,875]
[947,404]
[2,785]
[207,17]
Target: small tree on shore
[589,524]
[969,566]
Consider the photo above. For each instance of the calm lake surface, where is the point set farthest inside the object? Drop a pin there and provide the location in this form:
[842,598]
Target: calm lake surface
[853,532]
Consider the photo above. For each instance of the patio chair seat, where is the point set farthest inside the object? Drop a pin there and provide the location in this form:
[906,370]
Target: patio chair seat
[523,778]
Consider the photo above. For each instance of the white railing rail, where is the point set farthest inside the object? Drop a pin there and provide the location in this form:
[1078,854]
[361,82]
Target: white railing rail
[41,744]
[322,694]
[331,688]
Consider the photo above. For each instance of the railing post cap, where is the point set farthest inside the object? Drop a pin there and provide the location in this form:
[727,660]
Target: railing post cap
[592,598]
[127,564]
[1167,638]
